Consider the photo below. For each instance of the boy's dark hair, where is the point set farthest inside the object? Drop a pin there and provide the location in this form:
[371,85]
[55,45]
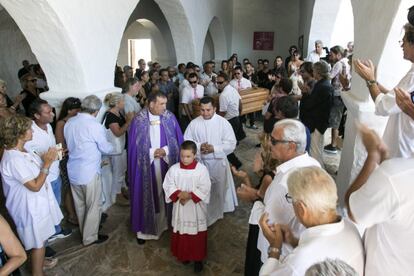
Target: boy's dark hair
[189,145]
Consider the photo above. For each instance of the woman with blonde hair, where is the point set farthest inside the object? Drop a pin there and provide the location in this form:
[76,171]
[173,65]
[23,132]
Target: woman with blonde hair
[29,196]
[115,121]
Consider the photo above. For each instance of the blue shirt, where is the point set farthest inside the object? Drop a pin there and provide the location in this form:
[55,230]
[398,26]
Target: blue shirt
[86,142]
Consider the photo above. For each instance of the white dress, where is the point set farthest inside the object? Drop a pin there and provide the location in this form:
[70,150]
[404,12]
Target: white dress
[190,218]
[35,214]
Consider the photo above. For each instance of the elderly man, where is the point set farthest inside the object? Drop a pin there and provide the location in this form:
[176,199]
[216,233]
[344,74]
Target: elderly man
[213,147]
[317,54]
[154,140]
[380,200]
[43,139]
[312,193]
[86,142]
[399,132]
[288,144]
[208,79]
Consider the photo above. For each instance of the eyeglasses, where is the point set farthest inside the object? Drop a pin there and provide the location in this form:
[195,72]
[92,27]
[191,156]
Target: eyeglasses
[192,82]
[220,82]
[289,199]
[274,141]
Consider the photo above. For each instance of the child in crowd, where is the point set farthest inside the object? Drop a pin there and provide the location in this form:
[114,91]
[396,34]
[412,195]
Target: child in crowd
[187,185]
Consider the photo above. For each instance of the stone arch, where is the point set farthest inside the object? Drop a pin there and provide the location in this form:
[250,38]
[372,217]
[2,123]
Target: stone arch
[179,24]
[218,37]
[327,23]
[208,48]
[146,29]
[76,53]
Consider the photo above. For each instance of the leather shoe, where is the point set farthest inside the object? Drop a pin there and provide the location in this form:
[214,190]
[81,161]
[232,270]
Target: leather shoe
[101,239]
[140,241]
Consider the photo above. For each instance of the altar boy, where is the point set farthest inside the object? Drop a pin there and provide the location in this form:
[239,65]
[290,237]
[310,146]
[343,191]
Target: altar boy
[187,185]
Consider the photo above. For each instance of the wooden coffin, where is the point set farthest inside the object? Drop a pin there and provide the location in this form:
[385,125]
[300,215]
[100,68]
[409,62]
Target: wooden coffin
[253,99]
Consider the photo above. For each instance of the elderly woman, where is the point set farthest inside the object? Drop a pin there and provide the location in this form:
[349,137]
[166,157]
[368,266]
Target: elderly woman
[9,246]
[118,125]
[313,195]
[29,197]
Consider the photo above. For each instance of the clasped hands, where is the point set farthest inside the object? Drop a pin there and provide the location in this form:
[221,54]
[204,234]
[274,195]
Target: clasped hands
[276,234]
[183,197]
[159,153]
[206,148]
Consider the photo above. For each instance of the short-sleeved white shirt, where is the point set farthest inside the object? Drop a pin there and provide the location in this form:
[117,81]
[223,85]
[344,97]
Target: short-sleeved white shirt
[399,132]
[131,105]
[229,102]
[338,240]
[210,88]
[189,95]
[35,214]
[241,84]
[41,142]
[385,206]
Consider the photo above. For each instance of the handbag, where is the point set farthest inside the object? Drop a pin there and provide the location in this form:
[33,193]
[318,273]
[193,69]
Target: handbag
[118,143]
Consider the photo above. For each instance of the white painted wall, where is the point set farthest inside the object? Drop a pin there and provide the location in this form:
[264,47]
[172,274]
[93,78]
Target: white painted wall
[306,12]
[208,49]
[278,16]
[343,30]
[13,50]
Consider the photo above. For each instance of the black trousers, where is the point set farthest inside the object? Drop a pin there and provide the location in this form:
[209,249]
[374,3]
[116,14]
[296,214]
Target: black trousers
[240,135]
[252,263]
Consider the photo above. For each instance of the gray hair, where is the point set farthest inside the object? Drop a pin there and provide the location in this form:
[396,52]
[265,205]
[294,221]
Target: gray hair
[331,267]
[322,68]
[319,42]
[112,99]
[295,131]
[91,104]
[314,187]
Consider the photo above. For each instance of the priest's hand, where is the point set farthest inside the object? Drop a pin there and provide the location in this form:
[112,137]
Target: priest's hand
[247,193]
[159,153]
[206,148]
[272,232]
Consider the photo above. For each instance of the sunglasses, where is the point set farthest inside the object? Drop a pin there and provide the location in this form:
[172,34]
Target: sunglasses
[220,82]
[274,141]
[192,82]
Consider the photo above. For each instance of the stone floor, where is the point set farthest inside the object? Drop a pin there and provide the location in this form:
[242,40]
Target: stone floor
[121,255]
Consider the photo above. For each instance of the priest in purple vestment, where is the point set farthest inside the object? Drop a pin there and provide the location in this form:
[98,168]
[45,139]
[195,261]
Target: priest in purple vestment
[154,140]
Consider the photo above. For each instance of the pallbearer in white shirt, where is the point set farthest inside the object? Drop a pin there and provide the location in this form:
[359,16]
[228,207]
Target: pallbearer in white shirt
[238,82]
[190,93]
[215,140]
[312,192]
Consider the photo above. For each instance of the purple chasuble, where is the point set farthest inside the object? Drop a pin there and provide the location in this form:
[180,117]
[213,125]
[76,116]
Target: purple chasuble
[141,173]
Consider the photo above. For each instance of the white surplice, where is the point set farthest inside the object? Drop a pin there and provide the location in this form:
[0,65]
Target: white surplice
[190,218]
[218,132]
[161,217]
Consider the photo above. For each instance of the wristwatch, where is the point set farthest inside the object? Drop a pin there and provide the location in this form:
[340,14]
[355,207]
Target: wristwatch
[371,82]
[45,171]
[273,250]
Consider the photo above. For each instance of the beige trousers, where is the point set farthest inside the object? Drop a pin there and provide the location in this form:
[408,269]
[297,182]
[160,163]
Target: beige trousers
[87,199]
[316,147]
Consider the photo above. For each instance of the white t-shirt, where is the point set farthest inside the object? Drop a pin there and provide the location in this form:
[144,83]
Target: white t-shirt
[385,206]
[315,57]
[229,102]
[41,142]
[338,240]
[131,104]
[399,132]
[241,84]
[210,86]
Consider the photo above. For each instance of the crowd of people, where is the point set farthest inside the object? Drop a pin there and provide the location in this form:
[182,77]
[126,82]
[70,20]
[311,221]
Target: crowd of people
[165,147]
